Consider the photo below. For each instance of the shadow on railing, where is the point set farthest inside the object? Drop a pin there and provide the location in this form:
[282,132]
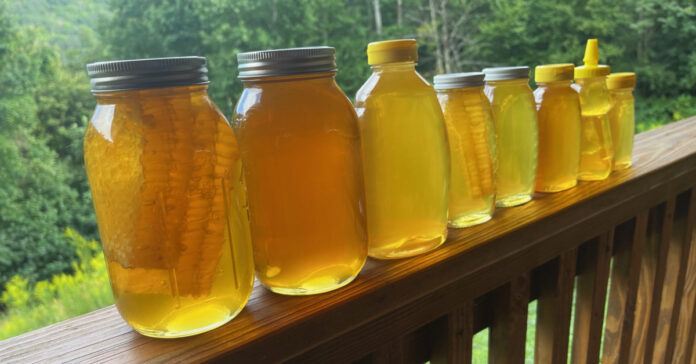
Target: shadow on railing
[624,242]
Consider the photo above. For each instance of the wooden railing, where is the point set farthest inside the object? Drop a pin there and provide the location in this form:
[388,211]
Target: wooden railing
[623,245]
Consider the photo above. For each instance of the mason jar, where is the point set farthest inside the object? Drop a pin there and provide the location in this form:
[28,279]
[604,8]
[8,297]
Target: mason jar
[300,143]
[166,179]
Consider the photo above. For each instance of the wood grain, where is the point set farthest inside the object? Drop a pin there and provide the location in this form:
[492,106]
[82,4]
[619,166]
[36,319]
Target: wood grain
[651,280]
[683,337]
[509,326]
[677,260]
[554,305]
[453,336]
[594,258]
[629,238]
[474,261]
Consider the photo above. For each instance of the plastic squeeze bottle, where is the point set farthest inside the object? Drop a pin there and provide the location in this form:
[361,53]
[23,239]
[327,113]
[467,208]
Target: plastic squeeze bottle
[596,150]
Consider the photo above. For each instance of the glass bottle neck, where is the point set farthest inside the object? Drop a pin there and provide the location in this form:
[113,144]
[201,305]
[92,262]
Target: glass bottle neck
[394,67]
[565,83]
[461,90]
[519,81]
[325,77]
[196,90]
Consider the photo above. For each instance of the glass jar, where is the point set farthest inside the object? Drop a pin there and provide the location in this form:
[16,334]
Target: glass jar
[515,120]
[300,142]
[558,109]
[596,149]
[405,154]
[165,175]
[622,116]
[471,140]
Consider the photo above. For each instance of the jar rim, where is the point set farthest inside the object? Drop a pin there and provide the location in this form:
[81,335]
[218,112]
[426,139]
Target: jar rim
[286,62]
[147,73]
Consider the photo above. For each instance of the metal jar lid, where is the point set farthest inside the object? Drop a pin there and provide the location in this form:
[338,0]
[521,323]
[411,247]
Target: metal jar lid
[458,80]
[286,62]
[506,73]
[139,74]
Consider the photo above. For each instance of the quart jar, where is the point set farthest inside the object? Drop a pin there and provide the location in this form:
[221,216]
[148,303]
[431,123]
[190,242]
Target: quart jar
[596,146]
[300,142]
[622,118]
[515,120]
[165,173]
[406,154]
[471,138]
[558,109]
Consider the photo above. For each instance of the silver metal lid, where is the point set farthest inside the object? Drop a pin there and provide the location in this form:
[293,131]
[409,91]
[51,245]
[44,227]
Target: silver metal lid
[506,73]
[458,80]
[139,74]
[285,62]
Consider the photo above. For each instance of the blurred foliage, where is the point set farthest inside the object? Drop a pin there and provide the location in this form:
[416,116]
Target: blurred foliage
[31,306]
[43,110]
[45,102]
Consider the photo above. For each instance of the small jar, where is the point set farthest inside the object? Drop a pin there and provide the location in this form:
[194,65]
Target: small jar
[165,174]
[558,109]
[471,140]
[596,146]
[622,116]
[515,120]
[300,143]
[406,155]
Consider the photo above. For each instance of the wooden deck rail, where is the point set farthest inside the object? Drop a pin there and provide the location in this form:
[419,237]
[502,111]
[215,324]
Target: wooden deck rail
[626,241]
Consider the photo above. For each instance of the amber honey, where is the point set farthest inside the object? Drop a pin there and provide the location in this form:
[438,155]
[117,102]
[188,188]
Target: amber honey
[515,119]
[300,143]
[165,174]
[471,139]
[558,110]
[405,155]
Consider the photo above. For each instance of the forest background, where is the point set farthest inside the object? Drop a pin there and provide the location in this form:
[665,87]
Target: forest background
[51,266]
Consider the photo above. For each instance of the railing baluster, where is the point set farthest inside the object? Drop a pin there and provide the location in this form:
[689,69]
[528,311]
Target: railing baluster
[682,338]
[594,259]
[628,247]
[554,306]
[676,265]
[651,279]
[453,342]
[509,326]
[658,285]
[390,353]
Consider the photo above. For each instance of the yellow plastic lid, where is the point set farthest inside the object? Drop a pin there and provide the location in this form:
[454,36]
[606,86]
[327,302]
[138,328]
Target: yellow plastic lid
[621,80]
[389,51]
[554,72]
[592,68]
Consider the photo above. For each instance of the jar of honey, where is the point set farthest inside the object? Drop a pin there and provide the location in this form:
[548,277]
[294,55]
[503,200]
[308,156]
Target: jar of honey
[558,109]
[405,153]
[300,143]
[596,146]
[622,118]
[471,140]
[165,173]
[515,120]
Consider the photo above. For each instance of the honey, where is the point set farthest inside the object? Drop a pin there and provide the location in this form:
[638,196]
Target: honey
[300,143]
[471,139]
[165,173]
[558,109]
[406,156]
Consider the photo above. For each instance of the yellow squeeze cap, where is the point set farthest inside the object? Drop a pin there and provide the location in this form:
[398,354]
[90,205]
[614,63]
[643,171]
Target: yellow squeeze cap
[554,72]
[621,80]
[592,68]
[389,51]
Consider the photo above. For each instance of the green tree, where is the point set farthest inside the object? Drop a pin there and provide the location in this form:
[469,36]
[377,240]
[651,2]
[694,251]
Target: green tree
[40,193]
